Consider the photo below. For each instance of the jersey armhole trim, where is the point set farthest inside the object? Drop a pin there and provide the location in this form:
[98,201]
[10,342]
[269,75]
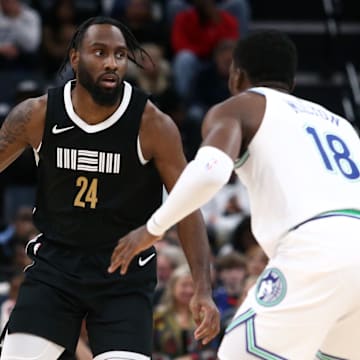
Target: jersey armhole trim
[142,159]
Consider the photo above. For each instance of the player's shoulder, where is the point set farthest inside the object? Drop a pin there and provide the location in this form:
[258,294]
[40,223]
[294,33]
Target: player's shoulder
[29,109]
[239,101]
[239,105]
[154,118]
[28,118]
[157,131]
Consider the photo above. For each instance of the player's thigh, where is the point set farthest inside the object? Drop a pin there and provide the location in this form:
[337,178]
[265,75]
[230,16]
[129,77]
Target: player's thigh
[122,323]
[29,347]
[48,312]
[286,315]
[342,341]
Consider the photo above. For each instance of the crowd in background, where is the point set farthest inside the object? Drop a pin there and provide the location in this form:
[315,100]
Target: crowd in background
[191,44]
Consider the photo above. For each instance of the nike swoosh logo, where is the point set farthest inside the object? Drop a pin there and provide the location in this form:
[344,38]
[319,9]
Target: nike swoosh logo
[56,130]
[143,262]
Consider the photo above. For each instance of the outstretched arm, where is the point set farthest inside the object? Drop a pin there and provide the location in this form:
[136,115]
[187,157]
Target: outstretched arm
[170,162]
[204,176]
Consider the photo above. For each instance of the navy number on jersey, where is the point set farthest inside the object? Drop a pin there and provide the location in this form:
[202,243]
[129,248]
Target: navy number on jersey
[332,146]
[87,193]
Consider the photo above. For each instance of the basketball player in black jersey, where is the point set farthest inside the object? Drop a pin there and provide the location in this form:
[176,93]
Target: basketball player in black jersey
[104,152]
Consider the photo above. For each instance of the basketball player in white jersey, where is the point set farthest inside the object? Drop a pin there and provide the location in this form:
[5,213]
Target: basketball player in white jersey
[301,166]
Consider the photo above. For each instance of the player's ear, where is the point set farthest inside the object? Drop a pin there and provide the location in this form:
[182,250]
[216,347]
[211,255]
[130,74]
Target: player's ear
[239,79]
[234,79]
[74,59]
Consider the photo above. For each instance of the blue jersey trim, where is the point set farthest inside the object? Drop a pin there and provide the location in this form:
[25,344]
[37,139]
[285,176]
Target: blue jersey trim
[352,213]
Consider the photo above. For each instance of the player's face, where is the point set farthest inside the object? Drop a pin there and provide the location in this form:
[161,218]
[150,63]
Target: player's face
[101,63]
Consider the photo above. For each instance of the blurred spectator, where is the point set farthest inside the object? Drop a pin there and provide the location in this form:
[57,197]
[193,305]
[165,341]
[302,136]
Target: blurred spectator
[139,17]
[20,34]
[13,240]
[117,8]
[173,323]
[169,258]
[250,281]
[231,272]
[84,8]
[194,35]
[256,260]
[223,213]
[7,306]
[21,259]
[203,94]
[228,315]
[26,89]
[242,238]
[58,29]
[88,8]
[156,77]
[238,8]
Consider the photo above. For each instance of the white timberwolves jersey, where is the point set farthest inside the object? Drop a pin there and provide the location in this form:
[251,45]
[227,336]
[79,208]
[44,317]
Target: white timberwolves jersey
[303,161]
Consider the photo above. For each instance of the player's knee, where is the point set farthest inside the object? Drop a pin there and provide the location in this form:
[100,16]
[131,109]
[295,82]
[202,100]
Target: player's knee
[29,347]
[117,355]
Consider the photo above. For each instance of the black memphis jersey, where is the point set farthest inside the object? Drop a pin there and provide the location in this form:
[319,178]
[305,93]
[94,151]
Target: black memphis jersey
[93,184]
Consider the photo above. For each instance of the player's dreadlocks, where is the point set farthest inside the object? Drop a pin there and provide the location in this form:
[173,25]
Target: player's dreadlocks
[135,49]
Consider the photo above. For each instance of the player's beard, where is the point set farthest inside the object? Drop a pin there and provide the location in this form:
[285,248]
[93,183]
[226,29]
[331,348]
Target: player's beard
[102,96]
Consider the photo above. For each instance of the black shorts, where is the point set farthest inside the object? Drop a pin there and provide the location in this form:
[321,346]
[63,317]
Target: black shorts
[64,286]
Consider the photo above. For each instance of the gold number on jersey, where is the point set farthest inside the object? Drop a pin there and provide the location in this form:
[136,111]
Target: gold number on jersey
[87,193]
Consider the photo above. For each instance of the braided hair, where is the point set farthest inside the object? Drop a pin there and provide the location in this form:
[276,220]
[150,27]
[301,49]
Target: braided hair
[134,47]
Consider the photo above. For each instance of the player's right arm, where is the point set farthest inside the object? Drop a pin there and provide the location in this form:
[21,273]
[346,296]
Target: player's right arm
[22,127]
[221,128]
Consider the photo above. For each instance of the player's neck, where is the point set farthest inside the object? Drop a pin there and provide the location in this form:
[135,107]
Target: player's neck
[276,85]
[88,110]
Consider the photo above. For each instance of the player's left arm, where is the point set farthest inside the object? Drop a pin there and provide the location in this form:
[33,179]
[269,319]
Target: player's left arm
[191,185]
[161,141]
[170,161]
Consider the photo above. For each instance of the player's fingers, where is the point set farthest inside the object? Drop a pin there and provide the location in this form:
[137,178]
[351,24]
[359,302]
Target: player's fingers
[196,314]
[203,328]
[117,257]
[118,249]
[127,256]
[209,326]
[125,264]
[208,334]
[115,263]
[214,330]
[197,320]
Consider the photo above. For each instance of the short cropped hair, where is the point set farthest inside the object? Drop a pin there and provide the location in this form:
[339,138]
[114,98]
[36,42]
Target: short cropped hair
[267,56]
[233,260]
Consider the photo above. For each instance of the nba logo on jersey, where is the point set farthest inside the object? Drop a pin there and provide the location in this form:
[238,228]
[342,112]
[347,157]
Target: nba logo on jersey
[271,287]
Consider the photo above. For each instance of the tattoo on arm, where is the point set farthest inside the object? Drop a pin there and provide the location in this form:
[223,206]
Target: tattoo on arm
[13,129]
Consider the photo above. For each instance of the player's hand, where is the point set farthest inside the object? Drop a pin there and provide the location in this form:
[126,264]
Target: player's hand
[129,246]
[206,316]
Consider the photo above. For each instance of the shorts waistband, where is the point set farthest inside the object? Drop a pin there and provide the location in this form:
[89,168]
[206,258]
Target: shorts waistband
[352,213]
